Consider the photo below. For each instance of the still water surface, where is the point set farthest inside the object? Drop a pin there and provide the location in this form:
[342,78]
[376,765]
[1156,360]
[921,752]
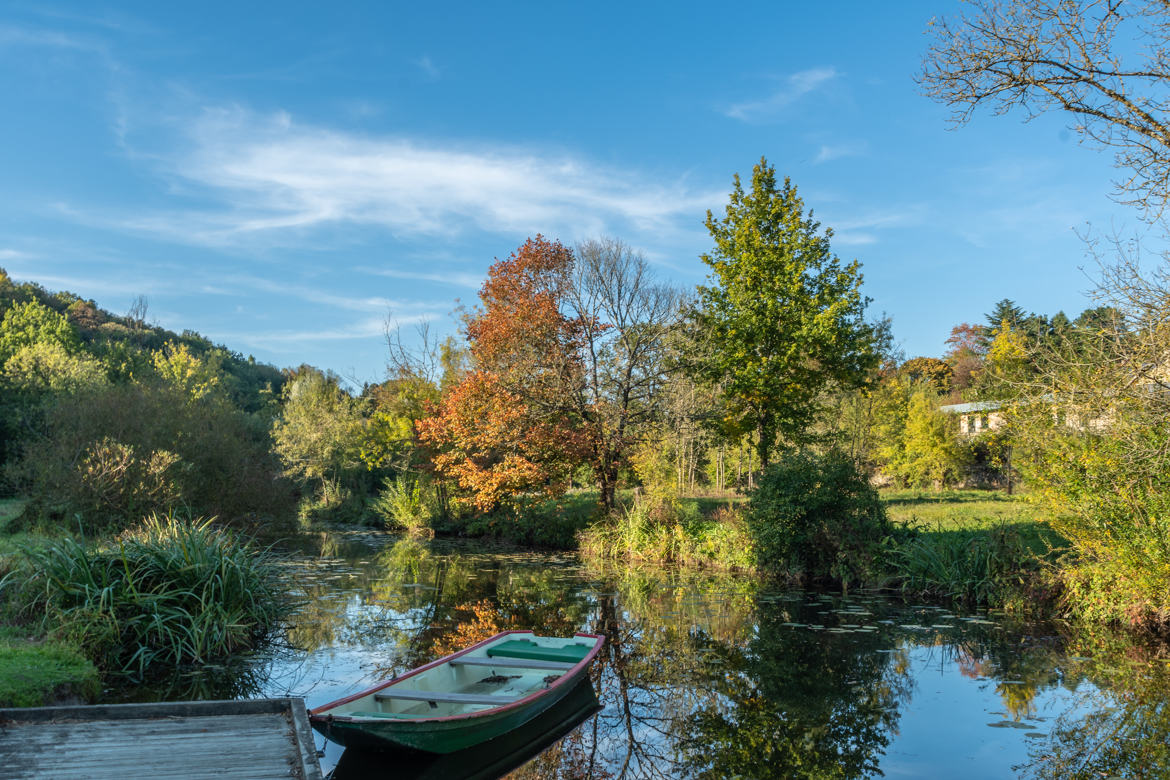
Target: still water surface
[717,677]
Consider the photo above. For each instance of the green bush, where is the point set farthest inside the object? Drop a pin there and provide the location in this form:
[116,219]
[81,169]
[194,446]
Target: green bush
[405,503]
[816,517]
[170,592]
[1109,493]
[113,455]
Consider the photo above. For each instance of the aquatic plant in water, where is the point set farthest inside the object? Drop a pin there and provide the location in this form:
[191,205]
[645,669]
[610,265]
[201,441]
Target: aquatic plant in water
[170,592]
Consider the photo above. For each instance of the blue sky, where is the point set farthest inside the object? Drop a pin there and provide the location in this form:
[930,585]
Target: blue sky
[280,177]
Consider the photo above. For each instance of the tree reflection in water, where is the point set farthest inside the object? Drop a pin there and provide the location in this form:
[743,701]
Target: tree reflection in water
[1121,724]
[707,676]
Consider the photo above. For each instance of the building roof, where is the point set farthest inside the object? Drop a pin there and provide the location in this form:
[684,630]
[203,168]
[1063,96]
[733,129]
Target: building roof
[975,406]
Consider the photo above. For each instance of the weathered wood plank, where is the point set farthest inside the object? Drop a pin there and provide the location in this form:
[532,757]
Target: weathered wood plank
[259,739]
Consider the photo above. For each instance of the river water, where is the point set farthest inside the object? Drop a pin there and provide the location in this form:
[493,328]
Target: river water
[719,677]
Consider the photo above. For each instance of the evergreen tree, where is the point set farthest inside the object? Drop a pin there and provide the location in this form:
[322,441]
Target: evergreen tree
[783,316]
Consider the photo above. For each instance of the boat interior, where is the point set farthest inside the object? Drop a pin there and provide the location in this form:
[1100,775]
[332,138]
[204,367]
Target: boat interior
[498,673]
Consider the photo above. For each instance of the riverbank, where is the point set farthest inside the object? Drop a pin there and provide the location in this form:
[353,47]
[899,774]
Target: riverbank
[166,594]
[963,547]
[969,548]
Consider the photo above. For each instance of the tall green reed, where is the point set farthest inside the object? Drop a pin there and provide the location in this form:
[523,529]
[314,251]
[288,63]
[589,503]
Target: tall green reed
[170,592]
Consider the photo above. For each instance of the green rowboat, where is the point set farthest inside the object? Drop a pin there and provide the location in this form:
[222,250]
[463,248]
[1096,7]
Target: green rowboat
[463,699]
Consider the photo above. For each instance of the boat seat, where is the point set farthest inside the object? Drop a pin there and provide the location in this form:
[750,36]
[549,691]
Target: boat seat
[527,649]
[438,696]
[512,663]
[383,715]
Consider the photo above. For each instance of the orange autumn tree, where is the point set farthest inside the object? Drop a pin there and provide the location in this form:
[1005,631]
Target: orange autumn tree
[567,349]
[505,429]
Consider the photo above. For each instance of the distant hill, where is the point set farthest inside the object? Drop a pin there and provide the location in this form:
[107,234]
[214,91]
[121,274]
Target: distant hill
[123,342]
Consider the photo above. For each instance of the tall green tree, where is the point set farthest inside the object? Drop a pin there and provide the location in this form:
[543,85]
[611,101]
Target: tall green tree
[783,316]
[319,432]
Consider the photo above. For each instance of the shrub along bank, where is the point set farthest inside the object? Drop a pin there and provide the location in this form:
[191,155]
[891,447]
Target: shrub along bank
[170,592]
[815,519]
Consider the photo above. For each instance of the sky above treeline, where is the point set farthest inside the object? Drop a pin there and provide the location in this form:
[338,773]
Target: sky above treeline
[284,177]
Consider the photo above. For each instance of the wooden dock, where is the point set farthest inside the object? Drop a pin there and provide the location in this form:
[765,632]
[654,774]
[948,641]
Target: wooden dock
[256,739]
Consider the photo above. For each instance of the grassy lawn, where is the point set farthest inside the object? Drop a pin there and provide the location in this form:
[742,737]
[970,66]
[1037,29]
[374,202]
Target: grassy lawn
[37,673]
[957,516]
[961,509]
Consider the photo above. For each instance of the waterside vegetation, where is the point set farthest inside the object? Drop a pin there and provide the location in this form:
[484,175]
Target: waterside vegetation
[169,593]
[591,405]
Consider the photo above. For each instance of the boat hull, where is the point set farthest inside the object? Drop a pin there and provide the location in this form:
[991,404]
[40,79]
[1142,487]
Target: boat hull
[442,735]
[485,761]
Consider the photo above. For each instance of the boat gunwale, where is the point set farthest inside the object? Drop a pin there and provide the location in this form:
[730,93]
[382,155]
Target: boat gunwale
[321,713]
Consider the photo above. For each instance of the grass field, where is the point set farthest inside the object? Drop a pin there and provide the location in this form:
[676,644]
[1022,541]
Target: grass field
[961,509]
[972,546]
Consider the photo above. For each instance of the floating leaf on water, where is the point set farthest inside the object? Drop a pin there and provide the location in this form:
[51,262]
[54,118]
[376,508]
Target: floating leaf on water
[1012,682]
[1036,734]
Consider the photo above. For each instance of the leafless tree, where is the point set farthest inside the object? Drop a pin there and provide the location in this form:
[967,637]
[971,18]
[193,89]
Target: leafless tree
[1106,63]
[136,314]
[626,314]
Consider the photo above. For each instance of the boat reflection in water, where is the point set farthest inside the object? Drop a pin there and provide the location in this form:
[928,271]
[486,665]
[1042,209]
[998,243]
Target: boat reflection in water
[490,759]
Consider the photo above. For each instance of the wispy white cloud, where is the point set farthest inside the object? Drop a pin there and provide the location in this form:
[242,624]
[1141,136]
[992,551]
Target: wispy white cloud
[237,284]
[26,36]
[428,67]
[861,228]
[272,179]
[792,89]
[456,278]
[829,152]
[854,238]
[89,286]
[17,37]
[294,341]
[13,254]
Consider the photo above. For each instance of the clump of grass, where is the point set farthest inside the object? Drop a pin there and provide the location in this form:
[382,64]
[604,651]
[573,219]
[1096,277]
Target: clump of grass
[170,592]
[662,533]
[974,566]
[35,674]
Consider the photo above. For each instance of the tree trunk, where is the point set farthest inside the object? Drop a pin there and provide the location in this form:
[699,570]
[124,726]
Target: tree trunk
[607,486]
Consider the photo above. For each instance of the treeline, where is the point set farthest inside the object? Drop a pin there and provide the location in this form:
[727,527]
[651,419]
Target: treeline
[903,428]
[105,419]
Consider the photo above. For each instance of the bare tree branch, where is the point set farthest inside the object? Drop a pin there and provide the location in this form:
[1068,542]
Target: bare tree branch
[1106,63]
